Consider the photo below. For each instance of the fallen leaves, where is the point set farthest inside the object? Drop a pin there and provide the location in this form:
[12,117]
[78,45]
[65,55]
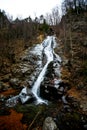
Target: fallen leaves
[12,121]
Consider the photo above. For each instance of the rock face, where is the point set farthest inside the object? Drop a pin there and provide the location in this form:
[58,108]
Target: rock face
[49,124]
[31,67]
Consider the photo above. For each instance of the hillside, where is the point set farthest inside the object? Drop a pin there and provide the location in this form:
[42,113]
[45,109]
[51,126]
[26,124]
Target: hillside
[73,41]
[16,36]
[23,59]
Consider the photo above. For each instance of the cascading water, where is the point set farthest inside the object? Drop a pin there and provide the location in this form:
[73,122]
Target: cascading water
[35,89]
[49,54]
[47,48]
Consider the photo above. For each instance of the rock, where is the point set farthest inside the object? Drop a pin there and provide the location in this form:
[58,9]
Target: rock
[85,44]
[64,99]
[25,58]
[75,104]
[6,78]
[67,108]
[25,95]
[11,102]
[85,127]
[14,81]
[49,92]
[2,98]
[83,106]
[80,86]
[4,86]
[53,89]
[16,71]
[65,62]
[25,84]
[49,124]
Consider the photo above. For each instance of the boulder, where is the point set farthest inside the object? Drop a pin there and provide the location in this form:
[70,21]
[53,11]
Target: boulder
[49,92]
[49,124]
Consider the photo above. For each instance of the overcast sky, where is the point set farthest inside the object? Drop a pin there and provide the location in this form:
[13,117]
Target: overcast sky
[25,8]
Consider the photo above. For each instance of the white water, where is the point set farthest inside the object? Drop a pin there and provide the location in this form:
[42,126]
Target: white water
[48,50]
[35,89]
[47,47]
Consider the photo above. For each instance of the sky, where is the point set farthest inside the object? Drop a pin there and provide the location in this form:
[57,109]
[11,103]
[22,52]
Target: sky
[26,8]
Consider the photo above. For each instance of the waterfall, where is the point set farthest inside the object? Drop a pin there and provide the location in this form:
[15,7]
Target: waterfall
[35,88]
[47,47]
[48,50]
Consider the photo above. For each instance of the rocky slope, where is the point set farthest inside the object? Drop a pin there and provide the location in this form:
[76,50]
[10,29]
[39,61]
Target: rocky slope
[73,37]
[68,115]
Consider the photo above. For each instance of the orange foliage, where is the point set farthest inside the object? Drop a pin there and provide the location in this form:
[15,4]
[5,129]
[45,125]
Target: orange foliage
[74,93]
[12,121]
[8,92]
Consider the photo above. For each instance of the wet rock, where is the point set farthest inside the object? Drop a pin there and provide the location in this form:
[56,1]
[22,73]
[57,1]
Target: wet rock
[64,99]
[56,82]
[26,95]
[52,90]
[49,124]
[30,82]
[50,70]
[61,90]
[49,92]
[11,102]
[57,70]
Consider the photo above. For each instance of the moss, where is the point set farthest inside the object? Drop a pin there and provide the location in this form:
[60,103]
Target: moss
[29,114]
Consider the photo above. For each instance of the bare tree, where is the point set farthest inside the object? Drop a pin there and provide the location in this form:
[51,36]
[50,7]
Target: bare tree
[53,18]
